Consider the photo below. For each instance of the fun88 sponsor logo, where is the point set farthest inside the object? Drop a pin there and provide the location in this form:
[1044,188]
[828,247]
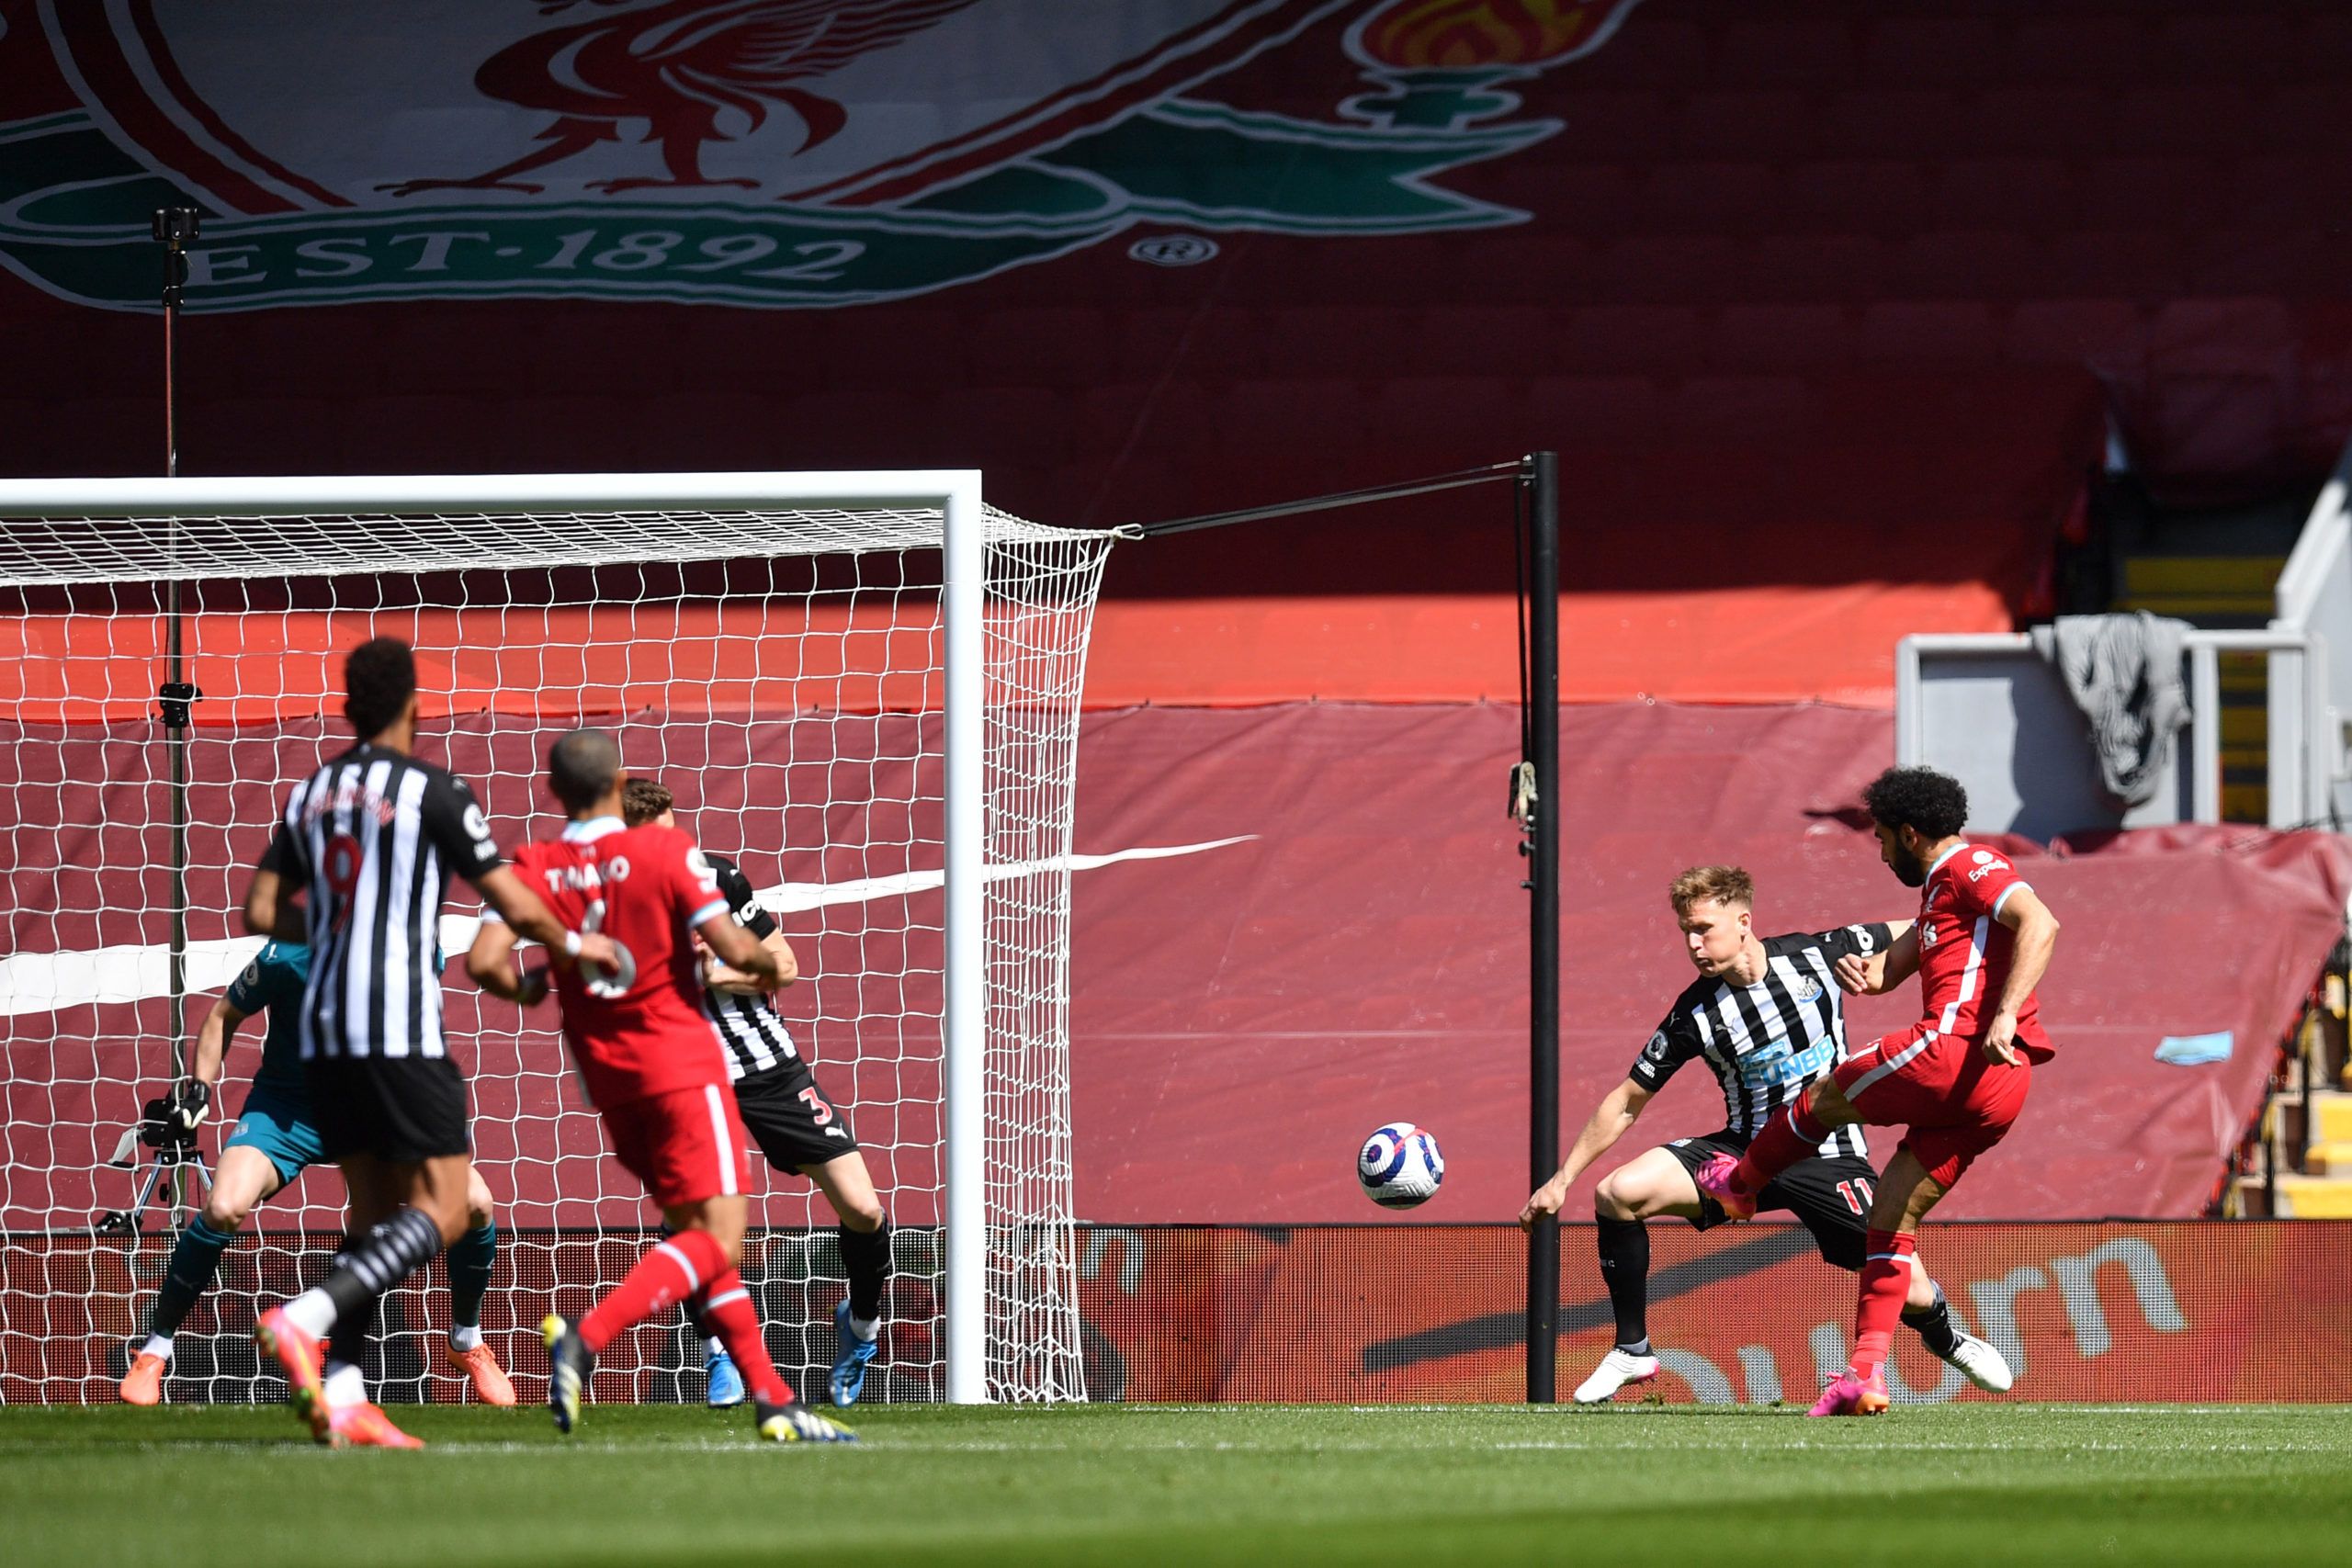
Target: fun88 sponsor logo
[1780,1064]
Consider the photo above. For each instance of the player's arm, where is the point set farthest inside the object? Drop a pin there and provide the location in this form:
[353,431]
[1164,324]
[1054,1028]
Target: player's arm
[212,1043]
[526,916]
[724,977]
[269,912]
[1874,975]
[1618,1110]
[490,961]
[755,964]
[2036,937]
[190,1098]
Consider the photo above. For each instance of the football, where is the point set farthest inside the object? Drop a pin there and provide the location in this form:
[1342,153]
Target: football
[1400,1166]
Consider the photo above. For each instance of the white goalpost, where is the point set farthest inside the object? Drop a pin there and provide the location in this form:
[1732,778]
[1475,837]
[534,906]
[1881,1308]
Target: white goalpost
[861,686]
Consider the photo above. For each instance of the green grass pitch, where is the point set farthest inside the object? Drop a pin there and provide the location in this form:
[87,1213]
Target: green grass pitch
[1131,1485]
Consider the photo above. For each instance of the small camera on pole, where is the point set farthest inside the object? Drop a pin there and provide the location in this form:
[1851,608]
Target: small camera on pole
[175,227]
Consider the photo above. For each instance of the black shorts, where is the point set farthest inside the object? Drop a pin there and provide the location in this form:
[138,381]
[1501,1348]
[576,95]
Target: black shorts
[790,1118]
[399,1109]
[1830,1196]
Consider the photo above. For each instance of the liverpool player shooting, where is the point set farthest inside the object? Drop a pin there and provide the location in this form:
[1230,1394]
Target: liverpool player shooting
[652,1064]
[796,1125]
[370,841]
[273,1142]
[1955,1080]
[1765,1014]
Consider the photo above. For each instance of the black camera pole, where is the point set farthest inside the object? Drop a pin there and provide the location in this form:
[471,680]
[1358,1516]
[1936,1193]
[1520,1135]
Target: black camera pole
[175,227]
[1536,802]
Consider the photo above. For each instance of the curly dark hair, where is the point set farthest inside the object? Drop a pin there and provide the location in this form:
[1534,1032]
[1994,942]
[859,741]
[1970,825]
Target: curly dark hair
[1923,798]
[377,679]
[642,800]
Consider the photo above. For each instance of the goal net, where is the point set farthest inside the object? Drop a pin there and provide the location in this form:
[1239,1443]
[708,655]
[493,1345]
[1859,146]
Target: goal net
[864,688]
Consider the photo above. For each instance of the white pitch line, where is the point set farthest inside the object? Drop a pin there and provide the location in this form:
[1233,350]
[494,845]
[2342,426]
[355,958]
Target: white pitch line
[44,982]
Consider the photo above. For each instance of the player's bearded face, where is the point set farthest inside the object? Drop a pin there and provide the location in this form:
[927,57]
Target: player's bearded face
[1908,868]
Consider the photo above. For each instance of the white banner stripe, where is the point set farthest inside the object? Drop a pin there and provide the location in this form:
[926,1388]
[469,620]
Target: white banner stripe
[44,982]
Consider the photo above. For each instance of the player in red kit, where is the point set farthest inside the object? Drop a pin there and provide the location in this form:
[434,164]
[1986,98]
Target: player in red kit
[653,1066]
[1954,1081]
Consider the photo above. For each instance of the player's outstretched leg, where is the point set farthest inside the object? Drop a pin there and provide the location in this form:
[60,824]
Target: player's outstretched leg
[857,1320]
[195,1259]
[1977,1359]
[1624,1247]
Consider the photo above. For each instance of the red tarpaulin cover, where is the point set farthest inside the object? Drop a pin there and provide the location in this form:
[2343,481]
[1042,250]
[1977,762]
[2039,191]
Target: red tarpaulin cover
[1244,1016]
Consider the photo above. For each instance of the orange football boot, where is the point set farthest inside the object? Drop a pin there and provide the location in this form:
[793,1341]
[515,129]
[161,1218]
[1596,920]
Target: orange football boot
[481,1369]
[144,1385]
[303,1361]
[363,1426]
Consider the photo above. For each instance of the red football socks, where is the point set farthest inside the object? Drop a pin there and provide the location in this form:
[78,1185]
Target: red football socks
[1787,1137]
[728,1311]
[1885,1280]
[678,1265]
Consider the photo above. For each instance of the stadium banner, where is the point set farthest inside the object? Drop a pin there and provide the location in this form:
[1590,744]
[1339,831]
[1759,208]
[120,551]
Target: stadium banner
[760,153]
[2205,1311]
[2202,1310]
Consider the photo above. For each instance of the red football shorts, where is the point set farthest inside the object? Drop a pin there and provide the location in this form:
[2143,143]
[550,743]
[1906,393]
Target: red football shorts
[684,1146]
[1955,1102]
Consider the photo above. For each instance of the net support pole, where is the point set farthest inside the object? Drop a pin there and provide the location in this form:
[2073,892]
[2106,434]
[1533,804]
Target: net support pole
[962,585]
[1543,923]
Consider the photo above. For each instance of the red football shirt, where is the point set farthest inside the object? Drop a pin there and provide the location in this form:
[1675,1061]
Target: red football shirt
[1965,951]
[641,1031]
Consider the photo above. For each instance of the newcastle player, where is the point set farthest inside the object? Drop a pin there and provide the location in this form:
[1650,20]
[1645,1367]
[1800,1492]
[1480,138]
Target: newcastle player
[368,843]
[797,1127]
[1766,1015]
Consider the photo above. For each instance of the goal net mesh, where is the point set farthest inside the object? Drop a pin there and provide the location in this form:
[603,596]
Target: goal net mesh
[781,671]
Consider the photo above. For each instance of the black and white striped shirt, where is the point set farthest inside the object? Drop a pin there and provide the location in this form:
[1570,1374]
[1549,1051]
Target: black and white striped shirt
[1767,1041]
[755,1037]
[373,837]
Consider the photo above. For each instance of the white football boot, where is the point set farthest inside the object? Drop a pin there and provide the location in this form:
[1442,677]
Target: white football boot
[1621,1367]
[1980,1363]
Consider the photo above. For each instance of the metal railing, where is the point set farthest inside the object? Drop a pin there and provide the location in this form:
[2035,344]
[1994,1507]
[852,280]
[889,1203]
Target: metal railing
[2305,747]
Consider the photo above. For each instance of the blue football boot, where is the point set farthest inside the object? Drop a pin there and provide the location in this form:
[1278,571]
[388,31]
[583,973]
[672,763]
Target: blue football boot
[849,1372]
[726,1382]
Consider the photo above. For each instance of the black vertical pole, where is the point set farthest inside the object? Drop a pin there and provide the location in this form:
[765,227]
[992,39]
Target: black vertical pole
[175,226]
[1543,923]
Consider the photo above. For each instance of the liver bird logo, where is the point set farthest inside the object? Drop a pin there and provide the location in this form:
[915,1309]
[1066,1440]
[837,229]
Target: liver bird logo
[677,66]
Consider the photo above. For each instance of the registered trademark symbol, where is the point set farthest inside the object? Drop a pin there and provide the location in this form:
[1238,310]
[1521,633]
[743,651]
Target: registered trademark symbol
[1173,250]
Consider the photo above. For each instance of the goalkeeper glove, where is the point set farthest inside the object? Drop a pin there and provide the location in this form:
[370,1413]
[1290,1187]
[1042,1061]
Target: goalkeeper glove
[186,1106]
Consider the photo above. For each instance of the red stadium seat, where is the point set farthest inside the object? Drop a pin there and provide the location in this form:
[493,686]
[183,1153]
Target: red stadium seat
[1931,51]
[1761,337]
[1791,51]
[1957,328]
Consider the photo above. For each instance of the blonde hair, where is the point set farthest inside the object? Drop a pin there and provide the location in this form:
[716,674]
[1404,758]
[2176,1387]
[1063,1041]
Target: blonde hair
[1716,883]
